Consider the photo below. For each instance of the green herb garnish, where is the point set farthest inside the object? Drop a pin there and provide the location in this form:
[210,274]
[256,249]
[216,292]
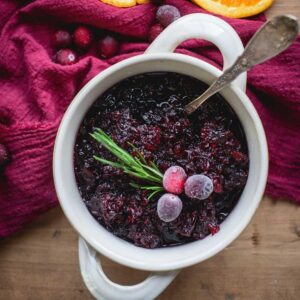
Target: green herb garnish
[135,166]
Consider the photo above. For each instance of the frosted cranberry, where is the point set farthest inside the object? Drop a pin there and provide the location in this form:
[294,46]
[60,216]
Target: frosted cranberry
[83,37]
[65,57]
[108,47]
[198,187]
[169,207]
[154,32]
[3,156]
[174,179]
[62,39]
[166,14]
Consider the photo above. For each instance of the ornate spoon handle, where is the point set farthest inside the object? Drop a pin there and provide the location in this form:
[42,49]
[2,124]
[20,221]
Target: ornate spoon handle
[271,39]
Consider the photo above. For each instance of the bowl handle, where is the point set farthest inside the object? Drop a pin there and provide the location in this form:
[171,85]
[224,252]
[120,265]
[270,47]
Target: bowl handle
[205,27]
[103,288]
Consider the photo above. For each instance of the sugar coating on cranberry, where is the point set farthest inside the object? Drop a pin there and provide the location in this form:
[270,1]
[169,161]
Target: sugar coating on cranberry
[3,156]
[65,57]
[174,179]
[82,37]
[155,31]
[62,39]
[198,187]
[108,47]
[169,207]
[166,14]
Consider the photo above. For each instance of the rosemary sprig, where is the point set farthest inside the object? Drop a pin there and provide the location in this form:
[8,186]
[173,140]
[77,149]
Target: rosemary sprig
[154,189]
[135,166]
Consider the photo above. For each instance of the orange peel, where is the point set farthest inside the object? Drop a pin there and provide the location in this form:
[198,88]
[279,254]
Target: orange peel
[235,8]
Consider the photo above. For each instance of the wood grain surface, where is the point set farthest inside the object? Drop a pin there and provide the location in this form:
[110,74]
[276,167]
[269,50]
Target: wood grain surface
[41,262]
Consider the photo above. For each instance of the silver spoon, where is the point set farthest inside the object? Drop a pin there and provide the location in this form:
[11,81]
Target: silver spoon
[271,39]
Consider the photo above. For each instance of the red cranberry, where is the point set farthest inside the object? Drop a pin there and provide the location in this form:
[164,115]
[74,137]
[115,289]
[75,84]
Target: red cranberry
[3,156]
[62,39]
[174,179]
[82,37]
[155,30]
[166,14]
[108,47]
[65,57]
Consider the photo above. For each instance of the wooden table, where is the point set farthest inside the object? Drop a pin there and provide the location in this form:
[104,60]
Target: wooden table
[41,262]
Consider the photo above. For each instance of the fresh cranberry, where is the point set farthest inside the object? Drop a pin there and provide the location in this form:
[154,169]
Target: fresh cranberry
[154,32]
[82,37]
[174,179]
[65,57]
[166,14]
[4,158]
[62,39]
[108,47]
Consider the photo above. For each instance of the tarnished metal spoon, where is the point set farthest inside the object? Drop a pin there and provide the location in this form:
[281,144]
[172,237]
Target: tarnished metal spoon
[271,39]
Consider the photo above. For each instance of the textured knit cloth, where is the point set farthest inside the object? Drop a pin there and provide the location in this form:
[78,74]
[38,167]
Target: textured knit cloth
[35,92]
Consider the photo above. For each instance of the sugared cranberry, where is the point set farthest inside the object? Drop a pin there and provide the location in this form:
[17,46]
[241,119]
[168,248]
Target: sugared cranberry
[198,187]
[62,39]
[3,156]
[166,14]
[174,179]
[82,37]
[108,47]
[65,57]
[169,207]
[154,32]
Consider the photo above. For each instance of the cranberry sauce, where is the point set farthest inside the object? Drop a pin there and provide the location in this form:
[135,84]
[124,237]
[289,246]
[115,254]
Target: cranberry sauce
[147,111]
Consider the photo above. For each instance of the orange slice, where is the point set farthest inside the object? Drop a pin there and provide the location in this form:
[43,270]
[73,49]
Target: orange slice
[235,8]
[142,1]
[120,3]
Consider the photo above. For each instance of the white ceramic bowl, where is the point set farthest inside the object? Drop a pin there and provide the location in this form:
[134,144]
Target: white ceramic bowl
[164,261]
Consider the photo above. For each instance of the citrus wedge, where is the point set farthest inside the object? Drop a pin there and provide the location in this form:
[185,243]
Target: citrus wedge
[142,1]
[120,3]
[235,8]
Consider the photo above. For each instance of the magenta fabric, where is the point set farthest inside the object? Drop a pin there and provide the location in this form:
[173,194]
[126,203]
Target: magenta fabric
[35,92]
